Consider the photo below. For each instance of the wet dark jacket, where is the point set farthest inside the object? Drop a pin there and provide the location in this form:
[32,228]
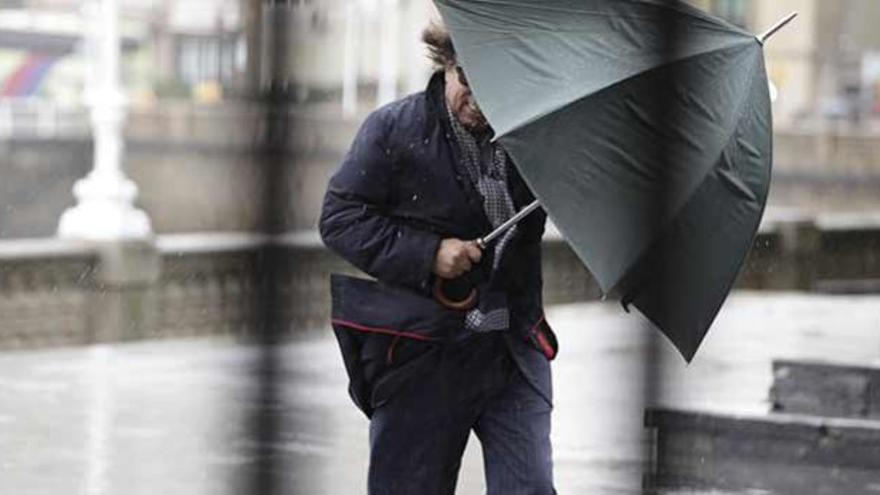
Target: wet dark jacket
[400,190]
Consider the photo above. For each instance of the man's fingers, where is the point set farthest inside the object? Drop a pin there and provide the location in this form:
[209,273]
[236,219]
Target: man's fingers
[456,257]
[474,252]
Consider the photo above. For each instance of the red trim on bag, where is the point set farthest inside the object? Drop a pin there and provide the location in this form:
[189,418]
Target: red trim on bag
[542,341]
[387,331]
[549,353]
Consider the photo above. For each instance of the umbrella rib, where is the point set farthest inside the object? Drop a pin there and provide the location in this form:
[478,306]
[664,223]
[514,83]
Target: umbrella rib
[740,110]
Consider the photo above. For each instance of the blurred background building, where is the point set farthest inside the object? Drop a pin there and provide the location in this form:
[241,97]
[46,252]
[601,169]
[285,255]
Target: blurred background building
[172,49]
[199,50]
[192,70]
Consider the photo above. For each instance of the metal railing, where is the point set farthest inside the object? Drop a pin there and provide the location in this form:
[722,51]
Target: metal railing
[38,118]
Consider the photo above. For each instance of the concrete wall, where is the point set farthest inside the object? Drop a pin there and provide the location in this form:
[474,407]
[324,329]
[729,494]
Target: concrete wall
[198,169]
[66,293]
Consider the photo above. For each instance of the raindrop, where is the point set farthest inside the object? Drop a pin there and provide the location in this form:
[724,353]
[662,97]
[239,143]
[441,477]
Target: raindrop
[387,151]
[415,197]
[426,140]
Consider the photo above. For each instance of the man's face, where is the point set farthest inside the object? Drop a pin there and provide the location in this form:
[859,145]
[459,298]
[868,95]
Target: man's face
[461,101]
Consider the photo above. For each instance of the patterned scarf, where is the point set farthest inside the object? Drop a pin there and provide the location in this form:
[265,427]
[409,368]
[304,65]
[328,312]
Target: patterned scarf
[486,164]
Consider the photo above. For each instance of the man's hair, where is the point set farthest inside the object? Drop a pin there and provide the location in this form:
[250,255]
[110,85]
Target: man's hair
[439,43]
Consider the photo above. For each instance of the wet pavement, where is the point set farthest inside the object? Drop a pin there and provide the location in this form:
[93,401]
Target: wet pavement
[171,417]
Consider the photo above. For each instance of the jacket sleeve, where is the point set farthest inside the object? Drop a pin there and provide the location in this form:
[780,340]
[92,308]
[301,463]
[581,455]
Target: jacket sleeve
[355,220]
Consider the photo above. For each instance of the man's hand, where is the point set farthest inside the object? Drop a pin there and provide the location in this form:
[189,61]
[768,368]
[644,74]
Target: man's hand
[456,257]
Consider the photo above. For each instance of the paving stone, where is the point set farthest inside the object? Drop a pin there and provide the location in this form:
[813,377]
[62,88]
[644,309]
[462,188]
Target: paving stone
[826,389]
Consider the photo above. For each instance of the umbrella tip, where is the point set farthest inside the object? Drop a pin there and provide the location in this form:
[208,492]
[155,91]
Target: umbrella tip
[762,38]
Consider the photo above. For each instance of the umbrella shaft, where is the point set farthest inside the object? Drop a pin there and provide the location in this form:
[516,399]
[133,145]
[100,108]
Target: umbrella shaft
[504,227]
[776,27]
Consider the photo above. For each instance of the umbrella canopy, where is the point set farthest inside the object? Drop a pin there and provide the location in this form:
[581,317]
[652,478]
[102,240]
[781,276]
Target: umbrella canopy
[651,157]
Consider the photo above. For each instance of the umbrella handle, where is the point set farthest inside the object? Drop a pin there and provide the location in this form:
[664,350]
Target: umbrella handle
[441,295]
[441,291]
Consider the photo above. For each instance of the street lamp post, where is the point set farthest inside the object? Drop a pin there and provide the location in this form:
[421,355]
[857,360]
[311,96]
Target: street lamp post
[105,198]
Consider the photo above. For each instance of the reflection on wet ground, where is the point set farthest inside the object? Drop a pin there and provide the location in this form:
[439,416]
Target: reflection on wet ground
[171,416]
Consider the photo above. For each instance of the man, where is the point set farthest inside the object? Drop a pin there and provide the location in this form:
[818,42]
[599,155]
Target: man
[421,181]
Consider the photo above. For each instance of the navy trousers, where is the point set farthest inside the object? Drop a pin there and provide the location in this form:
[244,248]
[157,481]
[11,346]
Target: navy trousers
[417,438]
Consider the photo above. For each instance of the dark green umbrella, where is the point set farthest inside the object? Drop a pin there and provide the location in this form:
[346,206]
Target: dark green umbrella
[651,157]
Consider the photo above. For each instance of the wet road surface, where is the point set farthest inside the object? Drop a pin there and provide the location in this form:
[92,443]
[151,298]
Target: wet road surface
[171,417]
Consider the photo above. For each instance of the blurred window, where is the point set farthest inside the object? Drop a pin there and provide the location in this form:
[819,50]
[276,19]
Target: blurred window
[206,58]
[735,11]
